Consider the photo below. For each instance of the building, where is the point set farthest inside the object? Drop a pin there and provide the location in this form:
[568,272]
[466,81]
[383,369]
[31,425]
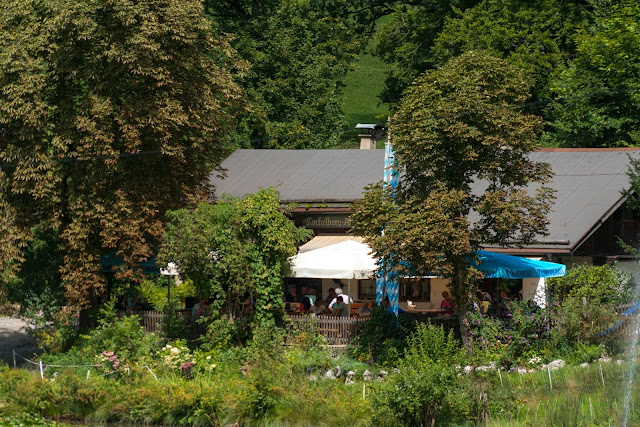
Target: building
[589,212]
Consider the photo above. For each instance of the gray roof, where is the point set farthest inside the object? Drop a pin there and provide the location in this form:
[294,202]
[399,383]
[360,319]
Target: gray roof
[587,182]
[322,176]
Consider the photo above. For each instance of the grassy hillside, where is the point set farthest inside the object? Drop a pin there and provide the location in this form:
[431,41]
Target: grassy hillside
[363,85]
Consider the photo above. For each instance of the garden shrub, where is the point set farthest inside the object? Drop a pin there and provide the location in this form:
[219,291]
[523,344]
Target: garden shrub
[56,338]
[306,335]
[382,338]
[122,336]
[426,389]
[588,296]
[174,326]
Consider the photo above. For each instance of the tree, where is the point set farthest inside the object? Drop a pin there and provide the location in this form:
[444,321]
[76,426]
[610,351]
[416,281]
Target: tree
[405,40]
[38,288]
[110,114]
[537,36]
[299,51]
[235,248]
[602,105]
[467,181]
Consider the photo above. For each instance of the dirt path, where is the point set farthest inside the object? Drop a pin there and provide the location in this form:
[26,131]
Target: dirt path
[14,336]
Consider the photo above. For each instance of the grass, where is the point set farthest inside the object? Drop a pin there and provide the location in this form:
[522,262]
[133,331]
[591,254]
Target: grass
[363,85]
[576,397]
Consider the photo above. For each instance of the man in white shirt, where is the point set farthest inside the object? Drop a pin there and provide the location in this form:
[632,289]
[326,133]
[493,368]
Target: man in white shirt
[345,299]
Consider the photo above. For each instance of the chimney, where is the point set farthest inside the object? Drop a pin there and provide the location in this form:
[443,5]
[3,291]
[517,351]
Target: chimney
[369,133]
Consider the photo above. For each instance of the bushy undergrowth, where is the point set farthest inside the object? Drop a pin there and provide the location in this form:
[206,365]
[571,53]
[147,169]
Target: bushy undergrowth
[383,338]
[266,378]
[425,389]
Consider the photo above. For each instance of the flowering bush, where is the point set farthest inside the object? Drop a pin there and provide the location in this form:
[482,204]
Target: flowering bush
[110,363]
[178,356]
[174,356]
[526,331]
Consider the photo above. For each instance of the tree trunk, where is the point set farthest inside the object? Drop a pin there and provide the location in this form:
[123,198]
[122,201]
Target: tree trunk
[460,295]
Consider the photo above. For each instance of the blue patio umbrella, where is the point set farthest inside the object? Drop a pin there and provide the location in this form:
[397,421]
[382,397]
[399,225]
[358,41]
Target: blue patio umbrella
[501,266]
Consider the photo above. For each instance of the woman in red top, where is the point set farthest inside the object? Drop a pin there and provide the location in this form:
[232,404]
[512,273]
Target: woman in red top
[447,304]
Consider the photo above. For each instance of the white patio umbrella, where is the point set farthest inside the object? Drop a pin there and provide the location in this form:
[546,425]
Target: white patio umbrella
[347,260]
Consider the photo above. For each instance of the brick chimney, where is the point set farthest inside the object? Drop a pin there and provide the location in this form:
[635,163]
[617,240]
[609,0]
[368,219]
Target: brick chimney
[369,134]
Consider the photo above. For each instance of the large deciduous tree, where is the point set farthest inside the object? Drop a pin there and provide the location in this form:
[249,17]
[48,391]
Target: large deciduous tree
[111,112]
[602,87]
[235,248]
[462,145]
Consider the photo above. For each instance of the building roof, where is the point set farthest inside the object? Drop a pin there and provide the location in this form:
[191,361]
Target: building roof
[588,183]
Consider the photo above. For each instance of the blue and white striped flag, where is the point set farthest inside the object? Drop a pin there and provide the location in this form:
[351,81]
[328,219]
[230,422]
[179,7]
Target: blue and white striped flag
[387,283]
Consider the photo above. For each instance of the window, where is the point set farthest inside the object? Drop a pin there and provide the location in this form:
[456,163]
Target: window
[367,289]
[415,289]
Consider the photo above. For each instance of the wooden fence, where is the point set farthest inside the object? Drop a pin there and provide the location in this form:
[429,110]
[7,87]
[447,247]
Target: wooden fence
[338,331]
[151,319]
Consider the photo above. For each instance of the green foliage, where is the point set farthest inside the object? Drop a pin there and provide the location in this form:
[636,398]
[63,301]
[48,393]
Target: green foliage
[123,336]
[223,333]
[405,39]
[154,291]
[233,249]
[174,325]
[299,52]
[597,284]
[527,332]
[426,388]
[38,288]
[432,344]
[97,101]
[306,335]
[380,340]
[536,36]
[603,102]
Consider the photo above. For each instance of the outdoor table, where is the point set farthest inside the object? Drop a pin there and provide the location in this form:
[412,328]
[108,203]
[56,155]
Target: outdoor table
[431,312]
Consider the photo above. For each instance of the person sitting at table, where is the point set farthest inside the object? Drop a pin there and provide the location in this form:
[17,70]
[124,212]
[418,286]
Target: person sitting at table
[311,294]
[291,295]
[340,295]
[330,297]
[199,308]
[446,304]
[365,308]
[387,304]
[305,305]
[319,308]
[340,309]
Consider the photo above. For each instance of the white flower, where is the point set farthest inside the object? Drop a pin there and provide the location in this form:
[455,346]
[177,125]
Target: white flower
[175,350]
[168,345]
[208,357]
